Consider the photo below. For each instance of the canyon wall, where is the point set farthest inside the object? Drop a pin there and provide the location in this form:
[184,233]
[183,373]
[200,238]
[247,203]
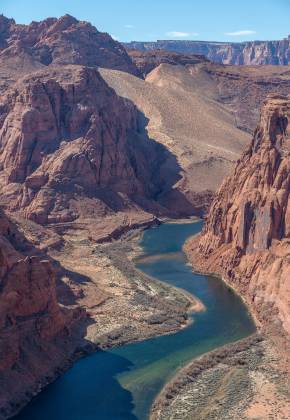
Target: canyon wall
[245,88]
[243,53]
[70,148]
[75,155]
[35,332]
[246,237]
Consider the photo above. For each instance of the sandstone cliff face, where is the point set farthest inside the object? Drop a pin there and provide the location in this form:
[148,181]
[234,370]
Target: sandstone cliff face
[62,41]
[244,53]
[247,233]
[70,148]
[27,289]
[32,323]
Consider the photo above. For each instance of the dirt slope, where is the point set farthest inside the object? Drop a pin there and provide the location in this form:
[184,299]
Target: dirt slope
[184,115]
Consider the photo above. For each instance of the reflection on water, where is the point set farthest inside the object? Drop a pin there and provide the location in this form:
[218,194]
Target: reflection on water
[122,383]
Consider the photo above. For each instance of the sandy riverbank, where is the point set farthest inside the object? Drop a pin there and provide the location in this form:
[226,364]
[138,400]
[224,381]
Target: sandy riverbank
[248,379]
[122,304]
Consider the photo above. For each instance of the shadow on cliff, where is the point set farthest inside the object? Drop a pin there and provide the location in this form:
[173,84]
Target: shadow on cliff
[165,172]
[157,170]
[89,390]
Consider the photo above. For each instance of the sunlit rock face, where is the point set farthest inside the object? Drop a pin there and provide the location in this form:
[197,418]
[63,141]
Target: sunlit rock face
[63,41]
[67,141]
[246,236]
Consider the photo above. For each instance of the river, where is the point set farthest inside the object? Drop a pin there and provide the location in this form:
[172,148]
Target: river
[123,382]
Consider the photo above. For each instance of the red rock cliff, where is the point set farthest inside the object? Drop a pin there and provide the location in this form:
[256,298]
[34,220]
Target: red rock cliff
[62,41]
[246,236]
[71,148]
[34,330]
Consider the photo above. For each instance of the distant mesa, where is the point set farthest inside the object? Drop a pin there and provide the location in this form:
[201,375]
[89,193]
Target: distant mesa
[235,53]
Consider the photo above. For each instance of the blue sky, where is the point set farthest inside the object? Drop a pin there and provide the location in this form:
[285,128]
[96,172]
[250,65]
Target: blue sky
[148,20]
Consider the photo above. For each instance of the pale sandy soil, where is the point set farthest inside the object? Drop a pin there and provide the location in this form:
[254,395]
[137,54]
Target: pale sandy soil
[123,304]
[268,401]
[184,114]
[240,381]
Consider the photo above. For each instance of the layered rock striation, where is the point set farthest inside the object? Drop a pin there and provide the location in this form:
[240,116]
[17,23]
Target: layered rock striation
[246,237]
[235,53]
[245,88]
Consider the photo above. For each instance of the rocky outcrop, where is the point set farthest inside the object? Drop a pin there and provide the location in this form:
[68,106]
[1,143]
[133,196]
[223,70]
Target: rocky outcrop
[62,41]
[246,236]
[243,53]
[35,333]
[245,88]
[70,148]
[146,61]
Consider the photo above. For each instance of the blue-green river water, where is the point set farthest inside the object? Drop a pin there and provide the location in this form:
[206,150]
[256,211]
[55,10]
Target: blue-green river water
[122,383]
